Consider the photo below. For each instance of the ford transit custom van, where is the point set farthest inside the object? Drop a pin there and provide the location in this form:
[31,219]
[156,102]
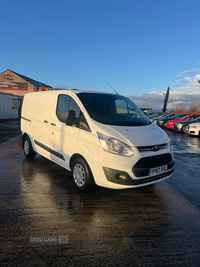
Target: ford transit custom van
[100,138]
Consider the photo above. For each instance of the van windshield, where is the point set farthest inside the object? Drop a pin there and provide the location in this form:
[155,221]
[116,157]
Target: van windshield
[113,109]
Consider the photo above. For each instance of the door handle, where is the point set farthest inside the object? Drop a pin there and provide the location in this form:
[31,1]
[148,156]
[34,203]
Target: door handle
[53,124]
[46,121]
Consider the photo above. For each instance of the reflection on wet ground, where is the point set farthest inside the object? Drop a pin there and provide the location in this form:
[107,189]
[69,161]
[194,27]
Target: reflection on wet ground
[147,225]
[185,180]
[184,143]
[9,129]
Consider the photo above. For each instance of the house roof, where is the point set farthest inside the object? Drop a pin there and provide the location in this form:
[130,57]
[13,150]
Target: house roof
[31,81]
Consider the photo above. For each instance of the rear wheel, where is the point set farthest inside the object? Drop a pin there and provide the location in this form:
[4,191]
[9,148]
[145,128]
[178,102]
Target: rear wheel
[27,147]
[82,175]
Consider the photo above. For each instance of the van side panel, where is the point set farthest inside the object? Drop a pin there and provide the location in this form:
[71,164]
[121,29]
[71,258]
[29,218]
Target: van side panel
[36,110]
[62,139]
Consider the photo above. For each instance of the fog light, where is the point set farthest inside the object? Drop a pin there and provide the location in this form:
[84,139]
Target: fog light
[120,176]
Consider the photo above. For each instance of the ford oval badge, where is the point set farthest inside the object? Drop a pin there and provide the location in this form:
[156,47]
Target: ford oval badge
[155,148]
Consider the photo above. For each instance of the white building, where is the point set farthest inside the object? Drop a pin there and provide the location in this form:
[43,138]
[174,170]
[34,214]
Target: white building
[10,106]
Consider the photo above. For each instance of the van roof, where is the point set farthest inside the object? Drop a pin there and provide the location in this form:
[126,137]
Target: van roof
[77,91]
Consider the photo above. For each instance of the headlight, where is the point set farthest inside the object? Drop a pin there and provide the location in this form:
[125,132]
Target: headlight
[115,146]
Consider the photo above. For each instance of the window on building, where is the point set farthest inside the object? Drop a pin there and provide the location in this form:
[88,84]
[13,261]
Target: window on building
[14,103]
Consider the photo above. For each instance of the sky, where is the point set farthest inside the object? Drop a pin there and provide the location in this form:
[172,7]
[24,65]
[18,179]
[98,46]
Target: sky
[138,48]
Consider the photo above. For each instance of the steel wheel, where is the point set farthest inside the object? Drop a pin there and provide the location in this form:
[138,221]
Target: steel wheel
[28,149]
[81,174]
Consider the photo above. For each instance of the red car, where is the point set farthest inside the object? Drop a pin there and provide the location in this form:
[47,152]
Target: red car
[169,124]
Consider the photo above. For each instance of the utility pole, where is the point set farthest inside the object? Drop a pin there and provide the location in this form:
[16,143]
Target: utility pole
[165,100]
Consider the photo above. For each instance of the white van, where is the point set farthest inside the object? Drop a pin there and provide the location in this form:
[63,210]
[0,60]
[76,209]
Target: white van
[99,137]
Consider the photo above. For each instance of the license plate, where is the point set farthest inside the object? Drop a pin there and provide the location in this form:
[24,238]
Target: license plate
[157,170]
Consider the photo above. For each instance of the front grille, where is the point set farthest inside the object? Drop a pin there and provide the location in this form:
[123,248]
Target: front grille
[154,161]
[149,148]
[143,166]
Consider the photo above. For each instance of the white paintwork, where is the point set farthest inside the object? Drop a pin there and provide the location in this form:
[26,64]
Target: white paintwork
[194,128]
[69,140]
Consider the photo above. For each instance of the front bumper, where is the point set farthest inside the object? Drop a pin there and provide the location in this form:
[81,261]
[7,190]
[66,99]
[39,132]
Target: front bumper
[141,171]
[169,126]
[177,128]
[160,123]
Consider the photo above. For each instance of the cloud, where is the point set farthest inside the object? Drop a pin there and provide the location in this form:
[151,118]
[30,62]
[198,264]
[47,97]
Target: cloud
[191,85]
[186,78]
[188,93]
[155,99]
[188,73]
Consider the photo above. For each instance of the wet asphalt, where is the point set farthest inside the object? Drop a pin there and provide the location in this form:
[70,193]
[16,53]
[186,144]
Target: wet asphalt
[46,221]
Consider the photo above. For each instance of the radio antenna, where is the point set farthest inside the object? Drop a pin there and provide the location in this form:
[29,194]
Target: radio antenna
[112,88]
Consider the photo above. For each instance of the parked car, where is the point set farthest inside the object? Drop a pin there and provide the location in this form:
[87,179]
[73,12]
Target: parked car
[152,113]
[182,126]
[161,122]
[155,120]
[194,129]
[156,115]
[170,123]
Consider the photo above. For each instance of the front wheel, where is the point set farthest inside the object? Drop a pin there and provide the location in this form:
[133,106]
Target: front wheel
[27,147]
[82,175]
[184,128]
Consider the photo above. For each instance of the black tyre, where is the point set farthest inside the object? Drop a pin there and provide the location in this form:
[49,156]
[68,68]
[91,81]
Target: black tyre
[183,129]
[82,175]
[27,147]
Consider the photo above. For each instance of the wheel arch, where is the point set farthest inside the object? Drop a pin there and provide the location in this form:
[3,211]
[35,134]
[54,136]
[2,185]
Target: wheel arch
[24,135]
[92,183]
[77,155]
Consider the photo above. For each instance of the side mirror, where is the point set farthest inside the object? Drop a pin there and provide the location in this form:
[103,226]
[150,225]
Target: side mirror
[70,118]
